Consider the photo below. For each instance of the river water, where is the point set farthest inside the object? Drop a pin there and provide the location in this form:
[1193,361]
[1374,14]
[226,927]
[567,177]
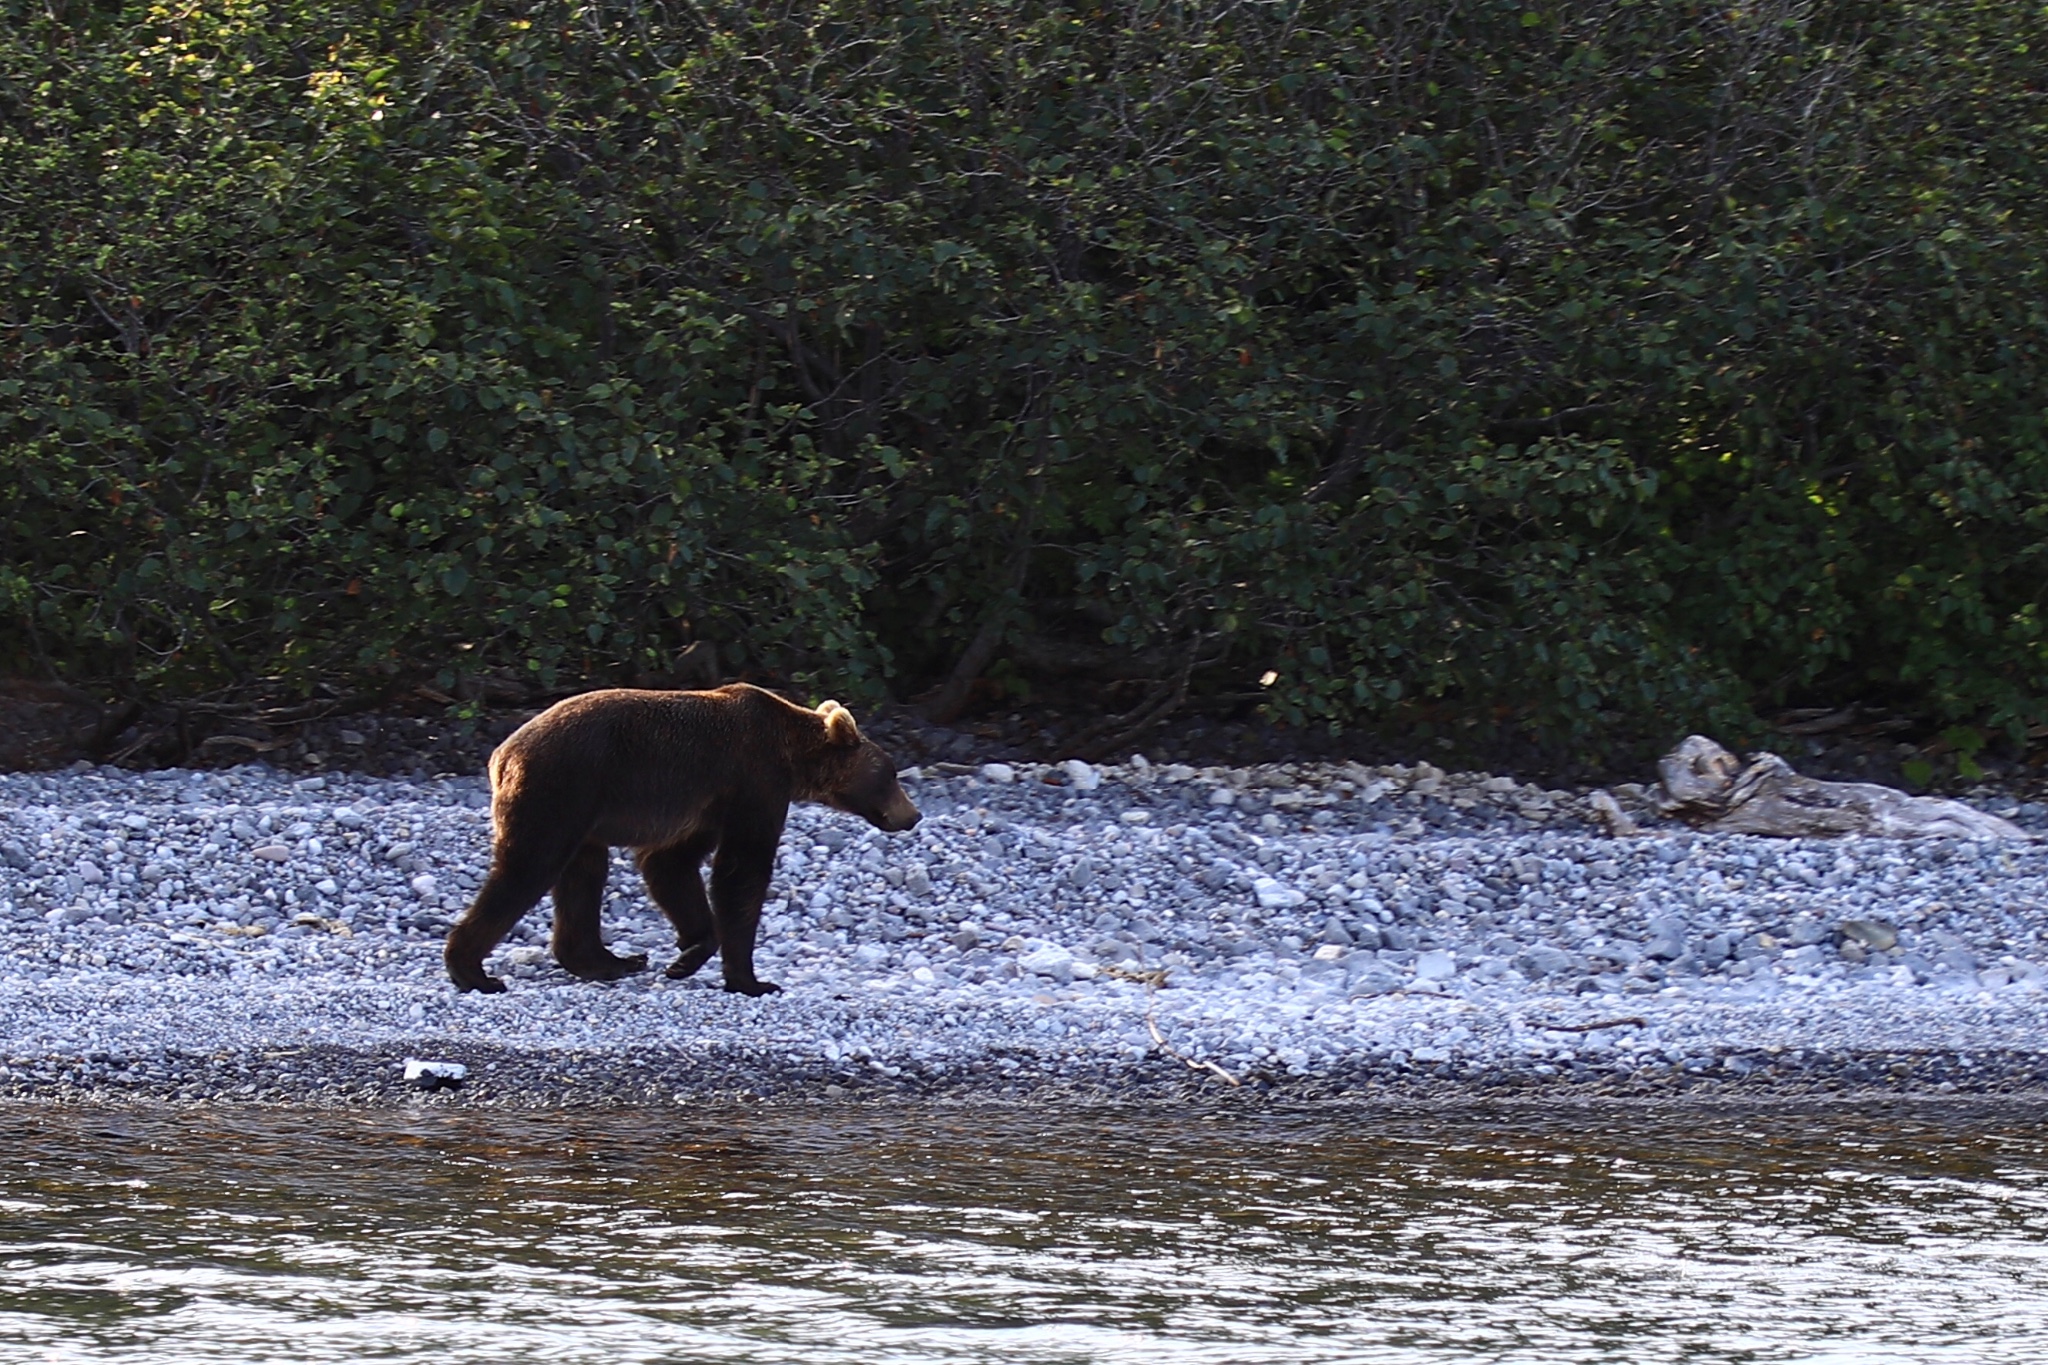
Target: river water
[1015,1235]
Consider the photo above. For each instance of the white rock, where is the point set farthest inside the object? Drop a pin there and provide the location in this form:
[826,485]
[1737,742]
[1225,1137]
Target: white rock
[1055,962]
[998,772]
[1273,895]
[1137,817]
[1223,796]
[272,853]
[1329,952]
[1435,965]
[425,884]
[434,1074]
[1082,777]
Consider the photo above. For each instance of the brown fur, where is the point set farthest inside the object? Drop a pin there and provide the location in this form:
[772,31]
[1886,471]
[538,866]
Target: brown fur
[678,776]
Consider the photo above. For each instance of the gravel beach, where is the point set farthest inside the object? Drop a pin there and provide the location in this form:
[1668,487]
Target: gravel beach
[1138,931]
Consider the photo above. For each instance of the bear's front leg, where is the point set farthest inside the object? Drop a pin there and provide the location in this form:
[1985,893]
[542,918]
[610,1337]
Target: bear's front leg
[739,883]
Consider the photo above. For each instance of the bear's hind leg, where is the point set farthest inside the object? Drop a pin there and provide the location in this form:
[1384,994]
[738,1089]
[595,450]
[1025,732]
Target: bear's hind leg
[578,943]
[678,888]
[513,886]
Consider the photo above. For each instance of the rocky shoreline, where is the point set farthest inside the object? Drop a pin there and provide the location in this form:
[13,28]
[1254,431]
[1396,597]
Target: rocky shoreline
[513,1079]
[1301,933]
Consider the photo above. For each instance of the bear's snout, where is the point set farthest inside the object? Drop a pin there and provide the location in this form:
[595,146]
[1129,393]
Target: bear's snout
[898,816]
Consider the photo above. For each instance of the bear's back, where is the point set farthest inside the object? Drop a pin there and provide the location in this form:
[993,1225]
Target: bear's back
[638,767]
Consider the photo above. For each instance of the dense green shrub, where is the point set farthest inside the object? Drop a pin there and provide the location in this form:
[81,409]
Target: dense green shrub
[1592,366]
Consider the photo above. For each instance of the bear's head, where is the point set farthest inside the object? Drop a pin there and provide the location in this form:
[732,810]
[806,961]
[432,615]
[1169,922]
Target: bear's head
[854,775]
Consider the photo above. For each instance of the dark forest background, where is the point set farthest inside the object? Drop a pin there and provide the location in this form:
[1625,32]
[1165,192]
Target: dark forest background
[1592,371]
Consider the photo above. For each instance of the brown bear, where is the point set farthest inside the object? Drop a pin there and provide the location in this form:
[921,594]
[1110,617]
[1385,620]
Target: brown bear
[678,776]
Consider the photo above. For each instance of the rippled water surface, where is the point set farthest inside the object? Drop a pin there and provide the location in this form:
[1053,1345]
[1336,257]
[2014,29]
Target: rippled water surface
[1021,1236]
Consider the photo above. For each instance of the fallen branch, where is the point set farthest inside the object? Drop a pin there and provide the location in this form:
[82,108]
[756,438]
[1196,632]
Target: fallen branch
[241,741]
[1153,980]
[1185,1060]
[1709,788]
[1626,1021]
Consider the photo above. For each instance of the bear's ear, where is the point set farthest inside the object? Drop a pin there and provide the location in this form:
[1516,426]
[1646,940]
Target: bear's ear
[839,726]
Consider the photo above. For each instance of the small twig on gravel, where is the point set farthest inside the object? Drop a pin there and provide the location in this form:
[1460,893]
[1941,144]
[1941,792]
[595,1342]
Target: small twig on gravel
[1185,1060]
[1152,981]
[1627,1020]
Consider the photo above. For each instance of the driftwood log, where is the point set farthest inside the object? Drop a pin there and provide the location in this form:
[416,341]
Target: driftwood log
[1709,788]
